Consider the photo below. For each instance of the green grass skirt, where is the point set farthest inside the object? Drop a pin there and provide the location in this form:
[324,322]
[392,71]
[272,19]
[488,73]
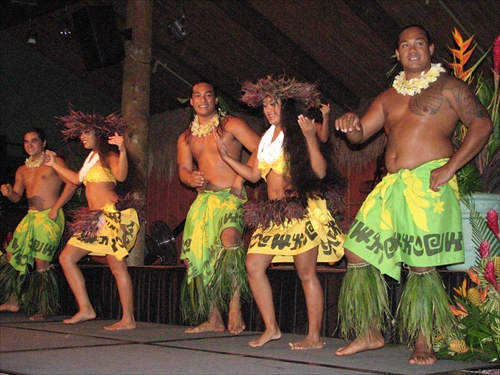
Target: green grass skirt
[424,307]
[363,302]
[229,276]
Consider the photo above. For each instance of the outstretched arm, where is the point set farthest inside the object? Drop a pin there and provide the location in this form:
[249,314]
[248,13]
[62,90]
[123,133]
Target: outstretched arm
[249,173]
[239,180]
[359,130]
[62,170]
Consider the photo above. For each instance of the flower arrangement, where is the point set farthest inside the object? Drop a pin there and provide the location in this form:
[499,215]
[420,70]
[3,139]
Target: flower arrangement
[483,173]
[477,302]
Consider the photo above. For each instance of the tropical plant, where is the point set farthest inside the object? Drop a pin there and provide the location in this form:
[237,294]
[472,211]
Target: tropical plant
[483,173]
[477,300]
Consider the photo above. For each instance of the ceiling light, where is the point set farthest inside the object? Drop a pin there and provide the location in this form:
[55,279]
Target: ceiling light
[178,28]
[33,33]
[66,25]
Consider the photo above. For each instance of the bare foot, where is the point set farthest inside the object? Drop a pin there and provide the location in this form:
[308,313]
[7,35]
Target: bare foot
[422,355]
[371,341]
[268,335]
[121,325]
[10,306]
[80,316]
[236,325]
[40,316]
[307,343]
[207,327]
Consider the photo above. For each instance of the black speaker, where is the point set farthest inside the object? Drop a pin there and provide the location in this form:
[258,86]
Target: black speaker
[100,40]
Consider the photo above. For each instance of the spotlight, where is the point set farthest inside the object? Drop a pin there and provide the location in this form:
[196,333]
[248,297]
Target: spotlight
[66,25]
[178,28]
[32,34]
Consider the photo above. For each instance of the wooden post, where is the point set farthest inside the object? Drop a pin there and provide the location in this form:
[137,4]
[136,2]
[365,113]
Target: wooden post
[135,98]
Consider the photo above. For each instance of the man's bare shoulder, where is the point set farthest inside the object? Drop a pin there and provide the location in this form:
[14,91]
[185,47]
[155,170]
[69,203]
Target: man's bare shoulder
[232,121]
[182,136]
[386,97]
[452,83]
[21,170]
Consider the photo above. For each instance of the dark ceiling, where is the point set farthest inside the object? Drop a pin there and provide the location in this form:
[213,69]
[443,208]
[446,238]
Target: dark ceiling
[344,45]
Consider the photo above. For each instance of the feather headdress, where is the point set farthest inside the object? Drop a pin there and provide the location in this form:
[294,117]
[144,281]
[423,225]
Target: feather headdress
[77,122]
[281,88]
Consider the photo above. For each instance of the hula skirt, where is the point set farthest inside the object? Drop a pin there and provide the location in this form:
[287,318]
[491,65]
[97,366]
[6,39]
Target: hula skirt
[36,236]
[403,221]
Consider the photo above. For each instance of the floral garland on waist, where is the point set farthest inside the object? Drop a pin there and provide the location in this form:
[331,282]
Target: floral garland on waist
[35,163]
[202,130]
[415,85]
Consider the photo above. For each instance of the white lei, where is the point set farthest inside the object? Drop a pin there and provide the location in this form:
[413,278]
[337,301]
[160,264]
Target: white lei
[87,166]
[270,150]
[35,163]
[415,85]
[202,130]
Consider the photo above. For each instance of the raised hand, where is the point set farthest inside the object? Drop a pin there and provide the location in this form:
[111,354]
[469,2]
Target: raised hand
[49,159]
[307,126]
[325,109]
[6,190]
[348,123]
[117,140]
[220,145]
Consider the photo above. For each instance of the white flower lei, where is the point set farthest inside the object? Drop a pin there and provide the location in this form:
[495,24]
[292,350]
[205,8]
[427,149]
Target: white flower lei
[202,130]
[270,150]
[35,163]
[415,85]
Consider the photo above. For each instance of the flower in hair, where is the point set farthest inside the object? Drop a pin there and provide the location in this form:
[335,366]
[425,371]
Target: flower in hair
[77,122]
[281,88]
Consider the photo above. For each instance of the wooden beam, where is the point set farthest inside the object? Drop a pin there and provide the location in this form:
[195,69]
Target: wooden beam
[135,99]
[377,19]
[270,36]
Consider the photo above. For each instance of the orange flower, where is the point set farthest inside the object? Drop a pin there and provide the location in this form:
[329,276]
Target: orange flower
[462,291]
[461,56]
[474,276]
[483,293]
[460,311]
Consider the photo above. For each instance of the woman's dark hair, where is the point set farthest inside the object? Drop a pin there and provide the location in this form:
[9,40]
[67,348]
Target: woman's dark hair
[104,148]
[303,181]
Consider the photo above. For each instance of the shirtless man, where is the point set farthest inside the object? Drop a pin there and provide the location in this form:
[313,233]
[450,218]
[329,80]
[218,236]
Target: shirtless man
[37,237]
[407,216]
[214,224]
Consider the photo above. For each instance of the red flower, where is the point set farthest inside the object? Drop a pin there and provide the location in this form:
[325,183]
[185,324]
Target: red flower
[496,55]
[484,249]
[489,275]
[492,222]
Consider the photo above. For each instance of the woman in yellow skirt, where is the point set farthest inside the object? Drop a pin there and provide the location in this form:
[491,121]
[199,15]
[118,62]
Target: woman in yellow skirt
[294,224]
[108,227]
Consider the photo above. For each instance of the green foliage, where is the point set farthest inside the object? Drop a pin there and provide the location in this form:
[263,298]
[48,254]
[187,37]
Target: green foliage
[469,180]
[480,231]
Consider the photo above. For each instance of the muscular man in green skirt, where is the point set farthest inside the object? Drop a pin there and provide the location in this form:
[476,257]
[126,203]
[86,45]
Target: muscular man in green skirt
[412,217]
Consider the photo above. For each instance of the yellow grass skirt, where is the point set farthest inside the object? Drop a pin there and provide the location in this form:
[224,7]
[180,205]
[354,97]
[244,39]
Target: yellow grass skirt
[116,236]
[296,236]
